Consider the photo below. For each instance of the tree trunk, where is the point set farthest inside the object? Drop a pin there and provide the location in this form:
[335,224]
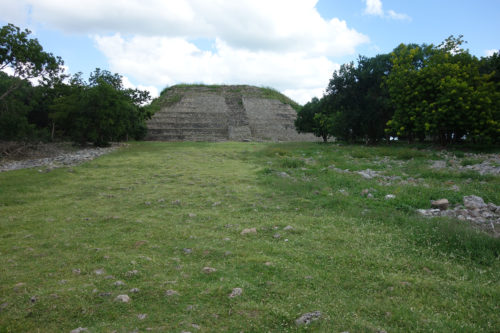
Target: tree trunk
[53,130]
[11,89]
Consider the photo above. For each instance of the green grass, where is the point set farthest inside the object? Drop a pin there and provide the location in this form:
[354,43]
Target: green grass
[366,264]
[272,93]
[263,92]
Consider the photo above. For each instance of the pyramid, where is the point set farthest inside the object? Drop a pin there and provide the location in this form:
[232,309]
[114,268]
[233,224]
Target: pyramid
[223,113]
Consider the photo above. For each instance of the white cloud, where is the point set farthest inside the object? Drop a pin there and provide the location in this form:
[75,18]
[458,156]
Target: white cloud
[374,7]
[285,44]
[489,53]
[397,16]
[127,84]
[170,61]
[15,12]
[250,24]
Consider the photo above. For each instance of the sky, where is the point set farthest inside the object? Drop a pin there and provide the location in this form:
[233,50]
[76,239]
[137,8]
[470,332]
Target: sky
[293,46]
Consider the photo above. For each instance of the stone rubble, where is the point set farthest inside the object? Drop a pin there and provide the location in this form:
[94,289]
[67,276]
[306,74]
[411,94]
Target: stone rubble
[382,179]
[484,216]
[307,318]
[61,160]
[489,165]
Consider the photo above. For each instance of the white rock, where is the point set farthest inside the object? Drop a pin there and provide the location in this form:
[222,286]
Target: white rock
[249,231]
[474,202]
[122,298]
[79,329]
[208,270]
[236,292]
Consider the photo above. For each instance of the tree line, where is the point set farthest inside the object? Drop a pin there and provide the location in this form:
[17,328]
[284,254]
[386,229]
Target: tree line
[417,92]
[98,110]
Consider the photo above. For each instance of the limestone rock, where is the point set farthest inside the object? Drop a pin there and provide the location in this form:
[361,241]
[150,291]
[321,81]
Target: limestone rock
[474,202]
[79,330]
[368,173]
[236,292]
[209,270]
[307,318]
[122,298]
[441,204]
[249,231]
[482,216]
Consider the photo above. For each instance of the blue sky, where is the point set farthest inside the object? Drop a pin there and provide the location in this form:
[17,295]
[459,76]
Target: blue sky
[293,46]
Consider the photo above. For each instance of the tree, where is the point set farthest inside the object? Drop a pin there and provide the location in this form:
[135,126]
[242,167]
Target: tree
[491,64]
[101,110]
[15,108]
[312,118]
[24,58]
[439,92]
[403,85]
[357,101]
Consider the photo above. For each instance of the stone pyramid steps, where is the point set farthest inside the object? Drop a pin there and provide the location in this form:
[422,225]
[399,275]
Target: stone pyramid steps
[218,113]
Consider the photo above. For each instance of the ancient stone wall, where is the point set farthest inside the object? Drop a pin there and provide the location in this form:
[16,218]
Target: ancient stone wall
[221,113]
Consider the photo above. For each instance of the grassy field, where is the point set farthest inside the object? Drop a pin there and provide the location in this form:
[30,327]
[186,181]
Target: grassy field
[157,216]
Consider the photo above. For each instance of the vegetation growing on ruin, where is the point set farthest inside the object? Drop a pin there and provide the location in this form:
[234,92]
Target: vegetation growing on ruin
[172,95]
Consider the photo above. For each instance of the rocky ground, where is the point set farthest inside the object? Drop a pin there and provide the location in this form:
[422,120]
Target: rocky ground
[485,216]
[46,156]
[484,164]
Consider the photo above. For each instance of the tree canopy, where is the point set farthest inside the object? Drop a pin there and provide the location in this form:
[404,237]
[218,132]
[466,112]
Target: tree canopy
[24,58]
[439,93]
[98,111]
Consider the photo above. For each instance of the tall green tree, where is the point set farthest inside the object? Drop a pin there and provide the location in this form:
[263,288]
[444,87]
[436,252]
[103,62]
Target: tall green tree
[313,118]
[101,110]
[357,100]
[14,109]
[24,58]
[439,92]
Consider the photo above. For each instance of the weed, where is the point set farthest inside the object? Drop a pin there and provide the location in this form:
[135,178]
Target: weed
[470,161]
[291,163]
